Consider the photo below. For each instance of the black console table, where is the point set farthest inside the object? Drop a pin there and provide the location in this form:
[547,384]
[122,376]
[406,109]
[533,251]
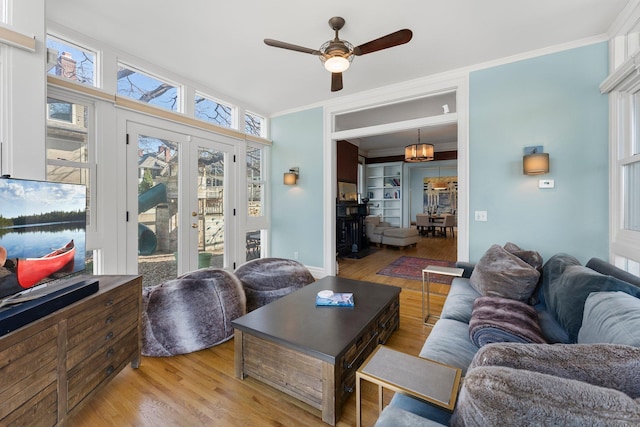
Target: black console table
[351,236]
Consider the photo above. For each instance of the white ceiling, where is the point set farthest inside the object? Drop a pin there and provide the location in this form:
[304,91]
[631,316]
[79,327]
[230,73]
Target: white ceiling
[220,44]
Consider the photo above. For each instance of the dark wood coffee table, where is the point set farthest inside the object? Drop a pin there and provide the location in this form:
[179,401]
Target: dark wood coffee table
[312,353]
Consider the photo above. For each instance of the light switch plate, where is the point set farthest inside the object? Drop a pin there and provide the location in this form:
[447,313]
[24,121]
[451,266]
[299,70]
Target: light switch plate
[481,215]
[546,183]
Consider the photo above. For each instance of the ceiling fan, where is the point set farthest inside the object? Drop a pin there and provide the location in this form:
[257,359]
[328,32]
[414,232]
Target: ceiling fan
[336,54]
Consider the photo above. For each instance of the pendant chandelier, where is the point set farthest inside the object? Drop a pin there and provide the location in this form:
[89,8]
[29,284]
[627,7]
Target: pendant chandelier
[418,152]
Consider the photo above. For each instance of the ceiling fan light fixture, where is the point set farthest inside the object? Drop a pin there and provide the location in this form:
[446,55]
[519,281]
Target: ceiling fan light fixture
[336,64]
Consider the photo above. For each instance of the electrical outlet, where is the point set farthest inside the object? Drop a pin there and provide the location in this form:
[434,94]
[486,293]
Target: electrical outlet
[295,255]
[481,215]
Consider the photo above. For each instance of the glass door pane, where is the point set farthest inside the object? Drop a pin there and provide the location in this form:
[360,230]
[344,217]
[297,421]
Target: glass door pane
[211,207]
[158,211]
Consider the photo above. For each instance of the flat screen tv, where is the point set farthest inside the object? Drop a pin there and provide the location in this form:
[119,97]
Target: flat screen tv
[42,232]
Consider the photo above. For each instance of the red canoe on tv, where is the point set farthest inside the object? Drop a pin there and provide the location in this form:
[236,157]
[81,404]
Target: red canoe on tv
[32,270]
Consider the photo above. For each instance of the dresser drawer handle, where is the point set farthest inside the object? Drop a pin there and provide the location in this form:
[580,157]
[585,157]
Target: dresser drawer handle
[110,370]
[110,353]
[347,388]
[108,303]
[108,320]
[108,336]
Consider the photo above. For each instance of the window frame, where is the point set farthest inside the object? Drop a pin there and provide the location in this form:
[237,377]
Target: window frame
[263,124]
[96,64]
[180,89]
[233,108]
[91,163]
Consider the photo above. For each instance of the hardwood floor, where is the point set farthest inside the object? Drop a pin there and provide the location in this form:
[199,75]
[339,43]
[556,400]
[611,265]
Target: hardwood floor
[201,389]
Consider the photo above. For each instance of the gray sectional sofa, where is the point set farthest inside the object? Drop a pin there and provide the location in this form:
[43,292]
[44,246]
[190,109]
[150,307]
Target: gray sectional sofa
[575,304]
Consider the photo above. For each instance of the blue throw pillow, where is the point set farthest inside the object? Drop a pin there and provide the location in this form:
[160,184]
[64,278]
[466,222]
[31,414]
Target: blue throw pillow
[611,318]
[566,286]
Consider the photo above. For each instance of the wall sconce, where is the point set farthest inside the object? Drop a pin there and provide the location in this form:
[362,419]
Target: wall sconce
[535,162]
[291,177]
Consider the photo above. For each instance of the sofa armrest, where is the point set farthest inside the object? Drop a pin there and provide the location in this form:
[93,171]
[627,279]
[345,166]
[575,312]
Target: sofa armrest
[608,269]
[467,267]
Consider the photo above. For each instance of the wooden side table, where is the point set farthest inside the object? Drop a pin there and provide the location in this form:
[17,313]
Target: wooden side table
[435,383]
[446,271]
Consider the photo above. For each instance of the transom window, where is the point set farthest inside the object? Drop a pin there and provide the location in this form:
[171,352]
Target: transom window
[253,124]
[73,62]
[213,111]
[146,88]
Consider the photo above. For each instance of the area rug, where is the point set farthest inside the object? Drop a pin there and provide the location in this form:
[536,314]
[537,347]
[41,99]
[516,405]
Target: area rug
[408,267]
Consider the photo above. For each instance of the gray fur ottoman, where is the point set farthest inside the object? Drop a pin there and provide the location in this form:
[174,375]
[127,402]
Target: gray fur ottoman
[266,279]
[190,313]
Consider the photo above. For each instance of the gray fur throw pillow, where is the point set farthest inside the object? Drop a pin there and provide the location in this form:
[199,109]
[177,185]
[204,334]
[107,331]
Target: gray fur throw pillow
[602,365]
[503,274]
[500,396]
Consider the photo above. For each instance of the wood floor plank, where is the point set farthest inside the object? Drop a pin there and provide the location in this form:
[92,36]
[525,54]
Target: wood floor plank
[201,388]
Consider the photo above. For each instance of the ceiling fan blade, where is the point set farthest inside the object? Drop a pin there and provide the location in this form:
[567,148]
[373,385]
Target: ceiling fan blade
[336,82]
[284,45]
[384,42]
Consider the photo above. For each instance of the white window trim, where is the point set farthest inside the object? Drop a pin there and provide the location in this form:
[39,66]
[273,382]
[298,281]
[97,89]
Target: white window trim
[621,85]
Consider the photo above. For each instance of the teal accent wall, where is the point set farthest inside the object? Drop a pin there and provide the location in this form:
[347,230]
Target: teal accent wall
[297,210]
[553,101]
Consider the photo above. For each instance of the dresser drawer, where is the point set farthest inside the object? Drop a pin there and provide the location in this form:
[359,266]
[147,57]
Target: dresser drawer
[101,366]
[99,304]
[94,334]
[27,368]
[39,411]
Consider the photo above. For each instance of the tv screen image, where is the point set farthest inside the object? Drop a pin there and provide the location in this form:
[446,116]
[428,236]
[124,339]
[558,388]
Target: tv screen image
[42,232]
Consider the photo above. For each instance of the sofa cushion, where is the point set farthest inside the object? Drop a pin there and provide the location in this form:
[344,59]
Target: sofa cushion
[502,274]
[611,317]
[459,302]
[449,343]
[552,331]
[394,416]
[496,319]
[418,407]
[566,286]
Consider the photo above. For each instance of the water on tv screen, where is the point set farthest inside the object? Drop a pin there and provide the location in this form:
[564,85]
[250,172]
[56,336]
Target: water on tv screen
[42,232]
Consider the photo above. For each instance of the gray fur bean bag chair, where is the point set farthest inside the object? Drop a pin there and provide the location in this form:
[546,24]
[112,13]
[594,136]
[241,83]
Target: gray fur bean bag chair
[266,279]
[190,313]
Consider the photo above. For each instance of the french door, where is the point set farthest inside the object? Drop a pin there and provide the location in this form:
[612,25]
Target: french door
[179,191]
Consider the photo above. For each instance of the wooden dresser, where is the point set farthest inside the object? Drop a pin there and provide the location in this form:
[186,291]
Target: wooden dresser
[50,367]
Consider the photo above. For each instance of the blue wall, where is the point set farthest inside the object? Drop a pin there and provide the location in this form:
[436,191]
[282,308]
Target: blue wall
[296,211]
[553,101]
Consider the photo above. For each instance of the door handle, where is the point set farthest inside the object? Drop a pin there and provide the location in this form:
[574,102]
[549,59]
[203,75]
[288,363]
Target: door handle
[194,225]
